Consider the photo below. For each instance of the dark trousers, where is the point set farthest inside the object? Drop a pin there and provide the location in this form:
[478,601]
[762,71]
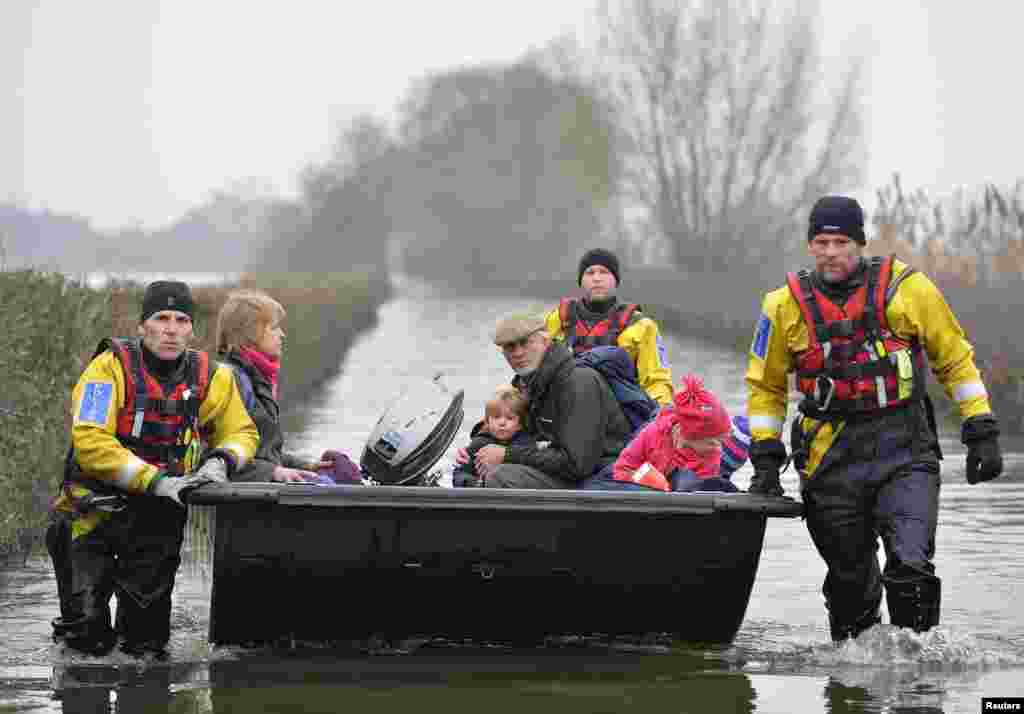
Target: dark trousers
[520,476]
[134,555]
[876,488]
[58,545]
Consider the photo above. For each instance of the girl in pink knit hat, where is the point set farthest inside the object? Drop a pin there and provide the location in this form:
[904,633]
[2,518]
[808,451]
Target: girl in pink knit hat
[681,449]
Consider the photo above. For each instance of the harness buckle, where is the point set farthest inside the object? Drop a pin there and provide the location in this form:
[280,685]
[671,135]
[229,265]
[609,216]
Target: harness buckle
[831,392]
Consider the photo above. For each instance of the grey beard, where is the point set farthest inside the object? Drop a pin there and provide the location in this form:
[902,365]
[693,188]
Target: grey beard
[525,371]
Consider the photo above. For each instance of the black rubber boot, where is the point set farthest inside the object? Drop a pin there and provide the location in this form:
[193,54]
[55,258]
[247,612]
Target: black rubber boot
[60,630]
[913,596]
[89,637]
[847,630]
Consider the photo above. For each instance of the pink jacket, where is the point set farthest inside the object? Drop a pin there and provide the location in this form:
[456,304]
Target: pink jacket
[653,445]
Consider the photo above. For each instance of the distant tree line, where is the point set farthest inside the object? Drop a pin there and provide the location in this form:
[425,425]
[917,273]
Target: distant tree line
[694,133]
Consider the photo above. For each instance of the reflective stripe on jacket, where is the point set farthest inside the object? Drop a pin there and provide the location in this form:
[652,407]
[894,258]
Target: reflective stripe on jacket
[98,402]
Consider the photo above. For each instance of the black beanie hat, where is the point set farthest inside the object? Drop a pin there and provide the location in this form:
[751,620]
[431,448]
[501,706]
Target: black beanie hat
[599,256]
[837,214]
[167,295]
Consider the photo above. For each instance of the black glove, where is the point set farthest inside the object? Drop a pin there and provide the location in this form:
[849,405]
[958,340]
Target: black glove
[767,456]
[984,457]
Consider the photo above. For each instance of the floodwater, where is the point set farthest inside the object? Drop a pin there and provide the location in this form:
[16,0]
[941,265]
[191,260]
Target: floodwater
[781,661]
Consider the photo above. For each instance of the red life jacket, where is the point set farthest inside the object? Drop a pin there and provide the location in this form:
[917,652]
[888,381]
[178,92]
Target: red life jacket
[158,426]
[852,364]
[582,337]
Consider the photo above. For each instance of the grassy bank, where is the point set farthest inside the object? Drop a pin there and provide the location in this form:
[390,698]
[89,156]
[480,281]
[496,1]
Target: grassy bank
[47,324]
[50,326]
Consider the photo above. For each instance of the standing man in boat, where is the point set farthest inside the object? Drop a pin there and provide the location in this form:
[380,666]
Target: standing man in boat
[857,331]
[600,319]
[143,411]
[571,407]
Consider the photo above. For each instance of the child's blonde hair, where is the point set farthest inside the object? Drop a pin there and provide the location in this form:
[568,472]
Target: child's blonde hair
[507,398]
[243,318]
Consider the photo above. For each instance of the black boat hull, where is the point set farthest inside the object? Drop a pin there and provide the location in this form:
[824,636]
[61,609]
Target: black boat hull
[345,563]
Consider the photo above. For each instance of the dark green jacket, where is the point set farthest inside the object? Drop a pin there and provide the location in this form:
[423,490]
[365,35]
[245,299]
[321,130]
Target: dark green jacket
[574,409]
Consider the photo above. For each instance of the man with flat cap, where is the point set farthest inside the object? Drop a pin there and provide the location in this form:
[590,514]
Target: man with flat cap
[571,407]
[152,420]
[599,319]
[856,332]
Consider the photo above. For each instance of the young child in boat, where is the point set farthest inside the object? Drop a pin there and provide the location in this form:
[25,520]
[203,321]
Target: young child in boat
[504,417]
[681,450]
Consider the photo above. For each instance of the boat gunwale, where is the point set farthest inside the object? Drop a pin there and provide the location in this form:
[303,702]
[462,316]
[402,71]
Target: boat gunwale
[433,498]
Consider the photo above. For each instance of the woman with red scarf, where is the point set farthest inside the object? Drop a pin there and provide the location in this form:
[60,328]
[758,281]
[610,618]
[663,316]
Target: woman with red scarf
[250,340]
[681,449]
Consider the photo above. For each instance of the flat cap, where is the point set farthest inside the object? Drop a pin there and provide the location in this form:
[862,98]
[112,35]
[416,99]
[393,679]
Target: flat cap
[516,327]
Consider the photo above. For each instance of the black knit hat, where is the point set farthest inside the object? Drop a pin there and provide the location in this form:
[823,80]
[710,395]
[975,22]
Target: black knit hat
[167,295]
[599,256]
[837,214]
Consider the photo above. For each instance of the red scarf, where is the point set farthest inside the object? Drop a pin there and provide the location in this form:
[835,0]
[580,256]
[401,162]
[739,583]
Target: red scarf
[267,365]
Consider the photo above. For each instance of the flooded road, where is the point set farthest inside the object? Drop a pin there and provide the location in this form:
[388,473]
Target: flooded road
[781,661]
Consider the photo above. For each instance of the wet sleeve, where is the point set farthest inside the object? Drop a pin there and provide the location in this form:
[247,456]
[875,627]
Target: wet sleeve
[918,310]
[644,343]
[225,417]
[768,365]
[95,402]
[293,461]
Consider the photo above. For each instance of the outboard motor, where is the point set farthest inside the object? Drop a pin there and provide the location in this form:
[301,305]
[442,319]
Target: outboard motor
[412,435]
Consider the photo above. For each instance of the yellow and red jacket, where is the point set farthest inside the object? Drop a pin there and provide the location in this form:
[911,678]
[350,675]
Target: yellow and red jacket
[127,428]
[911,316]
[625,326]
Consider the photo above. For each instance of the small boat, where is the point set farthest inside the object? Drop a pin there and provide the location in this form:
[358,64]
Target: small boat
[349,562]
[298,562]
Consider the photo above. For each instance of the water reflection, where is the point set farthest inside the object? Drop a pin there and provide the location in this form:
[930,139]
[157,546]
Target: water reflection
[83,687]
[893,690]
[495,680]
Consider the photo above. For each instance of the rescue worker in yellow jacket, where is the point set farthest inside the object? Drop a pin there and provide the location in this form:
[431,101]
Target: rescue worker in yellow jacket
[856,331]
[152,420]
[600,319]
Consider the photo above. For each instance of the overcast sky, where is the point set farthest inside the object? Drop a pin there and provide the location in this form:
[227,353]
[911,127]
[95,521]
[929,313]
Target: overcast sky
[135,114]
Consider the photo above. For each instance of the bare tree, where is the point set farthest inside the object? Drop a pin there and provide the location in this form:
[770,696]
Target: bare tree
[727,137]
[510,171]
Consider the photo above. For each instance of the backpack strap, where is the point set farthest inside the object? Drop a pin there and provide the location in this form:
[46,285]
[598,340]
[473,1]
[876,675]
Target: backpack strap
[872,320]
[136,397]
[626,313]
[895,282]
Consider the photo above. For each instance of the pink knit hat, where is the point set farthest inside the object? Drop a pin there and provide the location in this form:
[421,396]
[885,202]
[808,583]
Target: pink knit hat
[699,414]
